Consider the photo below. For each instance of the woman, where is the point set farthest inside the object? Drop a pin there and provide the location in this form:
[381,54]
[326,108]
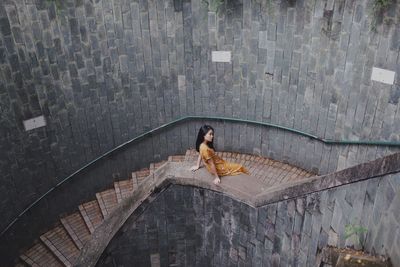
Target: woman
[215,165]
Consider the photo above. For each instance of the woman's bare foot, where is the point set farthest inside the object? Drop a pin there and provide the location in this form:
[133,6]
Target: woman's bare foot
[217,181]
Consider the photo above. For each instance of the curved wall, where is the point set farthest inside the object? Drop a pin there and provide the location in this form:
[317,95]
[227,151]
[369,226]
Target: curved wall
[188,226]
[102,72]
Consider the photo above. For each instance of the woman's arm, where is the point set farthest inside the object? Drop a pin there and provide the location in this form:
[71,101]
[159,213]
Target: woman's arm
[214,172]
[198,161]
[195,168]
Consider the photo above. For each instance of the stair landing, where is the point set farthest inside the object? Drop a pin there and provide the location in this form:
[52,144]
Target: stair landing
[264,172]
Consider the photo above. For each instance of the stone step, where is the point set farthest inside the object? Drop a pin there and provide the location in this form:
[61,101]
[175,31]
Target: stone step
[124,188]
[91,214]
[177,158]
[40,255]
[21,264]
[269,171]
[191,155]
[65,241]
[155,166]
[140,176]
[107,201]
[76,228]
[61,244]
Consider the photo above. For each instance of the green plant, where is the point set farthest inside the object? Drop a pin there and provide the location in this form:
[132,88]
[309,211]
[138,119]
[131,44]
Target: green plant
[58,3]
[378,9]
[267,5]
[214,5]
[354,232]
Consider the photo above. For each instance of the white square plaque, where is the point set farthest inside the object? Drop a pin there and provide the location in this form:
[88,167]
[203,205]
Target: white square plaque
[382,75]
[221,56]
[34,123]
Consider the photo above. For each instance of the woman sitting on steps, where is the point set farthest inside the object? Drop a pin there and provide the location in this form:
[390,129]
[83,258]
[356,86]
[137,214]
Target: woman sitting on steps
[215,165]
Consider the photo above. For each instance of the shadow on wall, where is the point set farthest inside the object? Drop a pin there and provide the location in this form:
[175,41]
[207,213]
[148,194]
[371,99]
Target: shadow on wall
[235,137]
[197,227]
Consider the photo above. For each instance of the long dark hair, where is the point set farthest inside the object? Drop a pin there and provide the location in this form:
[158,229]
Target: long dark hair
[200,136]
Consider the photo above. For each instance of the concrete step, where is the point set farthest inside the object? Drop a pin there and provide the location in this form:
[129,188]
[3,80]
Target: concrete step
[177,158]
[64,242]
[91,214]
[40,255]
[270,172]
[155,166]
[76,228]
[107,201]
[61,244]
[191,155]
[140,176]
[21,264]
[124,188]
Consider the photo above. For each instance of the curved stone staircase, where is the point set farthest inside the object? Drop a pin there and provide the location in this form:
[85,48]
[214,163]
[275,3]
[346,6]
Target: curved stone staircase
[61,245]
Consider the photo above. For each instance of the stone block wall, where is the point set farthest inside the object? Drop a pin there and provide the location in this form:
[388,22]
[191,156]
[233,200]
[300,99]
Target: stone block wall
[188,226]
[102,72]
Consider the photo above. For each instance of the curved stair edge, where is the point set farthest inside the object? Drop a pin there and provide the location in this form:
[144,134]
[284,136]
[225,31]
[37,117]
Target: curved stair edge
[373,169]
[60,245]
[147,192]
[78,230]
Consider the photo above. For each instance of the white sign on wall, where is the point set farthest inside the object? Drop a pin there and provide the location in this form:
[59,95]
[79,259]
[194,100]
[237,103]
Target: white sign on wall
[382,75]
[34,123]
[221,56]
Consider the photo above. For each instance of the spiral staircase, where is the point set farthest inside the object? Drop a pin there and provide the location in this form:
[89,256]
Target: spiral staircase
[61,245]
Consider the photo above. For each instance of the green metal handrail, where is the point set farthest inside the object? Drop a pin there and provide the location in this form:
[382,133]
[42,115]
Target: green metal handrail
[186,118]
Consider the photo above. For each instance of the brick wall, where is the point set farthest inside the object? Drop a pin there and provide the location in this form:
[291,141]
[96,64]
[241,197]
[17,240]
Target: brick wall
[102,72]
[188,226]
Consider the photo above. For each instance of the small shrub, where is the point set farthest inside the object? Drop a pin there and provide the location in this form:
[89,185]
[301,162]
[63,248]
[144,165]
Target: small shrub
[57,3]
[214,5]
[354,232]
[379,7]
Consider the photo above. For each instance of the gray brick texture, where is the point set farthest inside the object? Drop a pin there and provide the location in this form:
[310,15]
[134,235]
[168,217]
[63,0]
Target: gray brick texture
[188,226]
[102,72]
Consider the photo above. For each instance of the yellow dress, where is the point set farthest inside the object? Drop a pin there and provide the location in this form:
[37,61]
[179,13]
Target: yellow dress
[223,167]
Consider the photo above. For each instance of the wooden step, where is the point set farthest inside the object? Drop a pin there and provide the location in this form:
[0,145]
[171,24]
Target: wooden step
[76,228]
[61,244]
[40,255]
[107,201]
[124,188]
[91,214]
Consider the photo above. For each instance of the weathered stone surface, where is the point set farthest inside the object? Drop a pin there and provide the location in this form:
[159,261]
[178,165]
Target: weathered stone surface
[228,233]
[300,65]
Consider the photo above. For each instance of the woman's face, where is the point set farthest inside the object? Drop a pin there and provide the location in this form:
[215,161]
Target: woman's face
[209,136]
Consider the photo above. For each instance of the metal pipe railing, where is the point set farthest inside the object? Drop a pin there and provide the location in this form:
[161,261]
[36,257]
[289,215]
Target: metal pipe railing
[186,118]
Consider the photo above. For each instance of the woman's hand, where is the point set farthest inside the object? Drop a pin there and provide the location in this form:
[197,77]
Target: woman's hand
[194,168]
